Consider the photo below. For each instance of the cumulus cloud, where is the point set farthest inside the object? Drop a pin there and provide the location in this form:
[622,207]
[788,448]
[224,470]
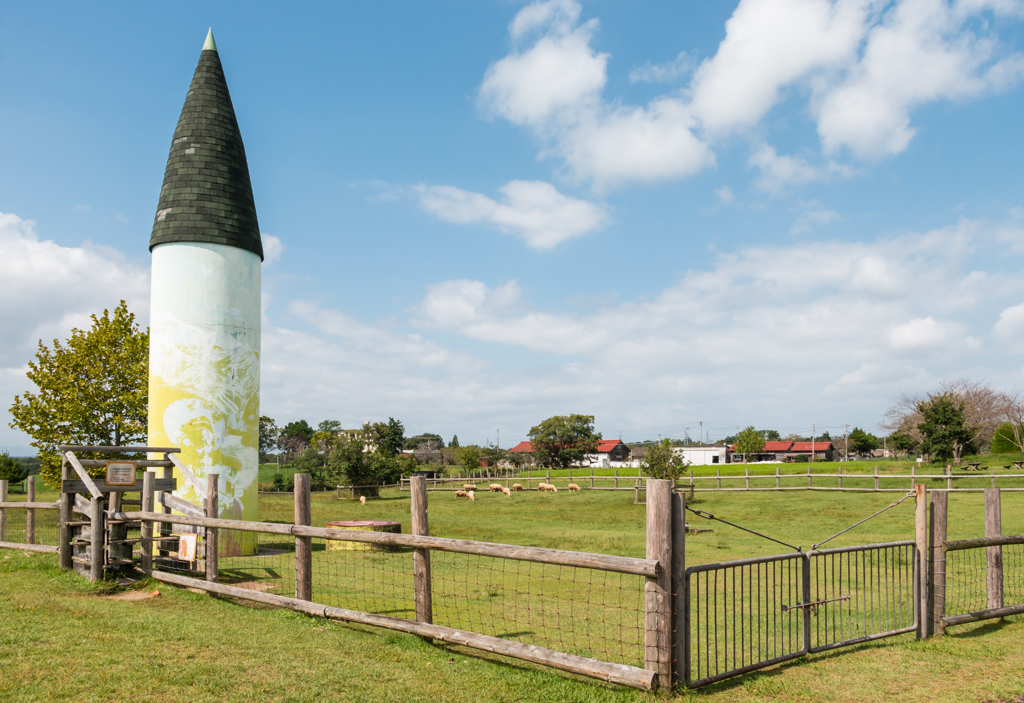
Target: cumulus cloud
[533,210]
[273,248]
[50,289]
[813,214]
[662,72]
[861,65]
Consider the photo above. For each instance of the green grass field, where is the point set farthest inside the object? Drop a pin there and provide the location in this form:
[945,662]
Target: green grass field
[62,640]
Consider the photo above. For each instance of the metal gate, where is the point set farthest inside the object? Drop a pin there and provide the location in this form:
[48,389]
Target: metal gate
[745,615]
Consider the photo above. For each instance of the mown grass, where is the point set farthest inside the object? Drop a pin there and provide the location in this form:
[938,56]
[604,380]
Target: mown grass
[60,640]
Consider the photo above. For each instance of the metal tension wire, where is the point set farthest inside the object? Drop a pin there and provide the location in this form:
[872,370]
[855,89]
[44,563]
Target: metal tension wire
[893,505]
[708,516]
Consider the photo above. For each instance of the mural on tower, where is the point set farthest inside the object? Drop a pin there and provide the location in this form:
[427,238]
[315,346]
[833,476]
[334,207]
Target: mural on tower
[204,364]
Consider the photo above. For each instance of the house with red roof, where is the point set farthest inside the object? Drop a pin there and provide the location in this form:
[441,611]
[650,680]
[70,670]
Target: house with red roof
[610,452]
[784,450]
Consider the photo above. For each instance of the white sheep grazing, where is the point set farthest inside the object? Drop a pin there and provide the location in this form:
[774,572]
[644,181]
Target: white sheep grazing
[362,500]
[517,487]
[468,487]
[572,487]
[461,494]
[552,489]
[472,495]
[507,492]
[495,487]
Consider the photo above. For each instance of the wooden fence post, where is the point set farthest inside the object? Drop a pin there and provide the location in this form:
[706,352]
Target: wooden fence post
[680,596]
[808,475]
[96,530]
[658,589]
[876,478]
[778,481]
[30,519]
[117,550]
[591,476]
[165,527]
[921,535]
[212,543]
[949,477]
[303,545]
[840,477]
[67,501]
[146,543]
[913,475]
[994,555]
[3,511]
[746,472]
[421,557]
[616,479]
[718,472]
[937,565]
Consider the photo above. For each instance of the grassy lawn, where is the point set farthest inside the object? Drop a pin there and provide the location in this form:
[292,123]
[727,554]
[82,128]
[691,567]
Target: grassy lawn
[219,650]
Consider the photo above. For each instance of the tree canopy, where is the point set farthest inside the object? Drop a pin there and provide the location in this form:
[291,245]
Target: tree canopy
[749,441]
[389,437]
[863,442]
[94,389]
[11,469]
[662,462]
[268,434]
[564,440]
[433,440]
[455,442]
[944,428]
[1006,440]
[469,458]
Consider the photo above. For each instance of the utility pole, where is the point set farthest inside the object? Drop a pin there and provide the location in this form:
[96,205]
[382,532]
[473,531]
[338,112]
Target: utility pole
[701,439]
[499,439]
[846,438]
[686,436]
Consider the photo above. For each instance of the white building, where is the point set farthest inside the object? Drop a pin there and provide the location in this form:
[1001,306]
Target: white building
[702,455]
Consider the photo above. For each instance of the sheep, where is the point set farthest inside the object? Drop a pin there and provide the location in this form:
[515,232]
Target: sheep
[517,487]
[547,487]
[468,487]
[461,494]
[495,487]
[472,495]
[362,500]
[507,492]
[572,487]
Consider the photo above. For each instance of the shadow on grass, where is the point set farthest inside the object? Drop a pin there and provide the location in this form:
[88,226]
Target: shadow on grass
[987,629]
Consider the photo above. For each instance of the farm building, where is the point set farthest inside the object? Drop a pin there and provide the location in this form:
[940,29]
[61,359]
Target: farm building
[784,450]
[703,455]
[610,452]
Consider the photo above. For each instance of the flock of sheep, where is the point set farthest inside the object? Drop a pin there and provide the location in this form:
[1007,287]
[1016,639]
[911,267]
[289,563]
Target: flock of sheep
[469,489]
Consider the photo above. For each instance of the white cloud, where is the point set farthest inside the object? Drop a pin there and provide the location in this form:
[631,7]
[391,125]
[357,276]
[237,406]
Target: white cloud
[861,65]
[273,248]
[1009,328]
[662,72]
[925,333]
[725,195]
[50,289]
[813,214]
[533,210]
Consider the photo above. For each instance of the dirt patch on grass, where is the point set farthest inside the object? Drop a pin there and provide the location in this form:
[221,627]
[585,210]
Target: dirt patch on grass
[132,595]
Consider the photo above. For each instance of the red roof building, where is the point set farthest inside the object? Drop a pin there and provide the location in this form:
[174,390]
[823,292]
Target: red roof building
[610,449]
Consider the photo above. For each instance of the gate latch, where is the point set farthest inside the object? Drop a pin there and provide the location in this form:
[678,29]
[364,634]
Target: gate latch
[813,606]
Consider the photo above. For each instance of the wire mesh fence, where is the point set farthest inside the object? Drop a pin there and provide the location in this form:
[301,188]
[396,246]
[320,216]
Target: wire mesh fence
[46,526]
[972,586]
[173,554]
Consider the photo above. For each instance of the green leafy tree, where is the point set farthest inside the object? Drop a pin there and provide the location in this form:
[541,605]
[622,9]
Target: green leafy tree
[492,454]
[770,435]
[387,436]
[299,429]
[863,442]
[454,444]
[11,469]
[903,442]
[662,462]
[944,428]
[1004,441]
[94,389]
[749,441]
[317,464]
[469,458]
[434,440]
[323,436]
[355,467]
[268,434]
[564,440]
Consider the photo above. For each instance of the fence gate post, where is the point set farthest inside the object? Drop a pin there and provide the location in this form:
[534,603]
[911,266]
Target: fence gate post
[30,519]
[994,555]
[303,545]
[937,566]
[213,511]
[3,511]
[658,589]
[96,533]
[920,536]
[146,528]
[680,594]
[421,557]
[67,500]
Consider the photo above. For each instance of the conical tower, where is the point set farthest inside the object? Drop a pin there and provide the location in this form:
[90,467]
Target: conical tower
[204,348]
[206,195]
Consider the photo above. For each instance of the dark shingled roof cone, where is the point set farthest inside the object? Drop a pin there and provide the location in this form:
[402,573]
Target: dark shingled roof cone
[207,196]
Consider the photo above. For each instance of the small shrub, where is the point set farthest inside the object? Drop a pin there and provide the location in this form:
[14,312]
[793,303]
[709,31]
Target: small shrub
[11,469]
[283,484]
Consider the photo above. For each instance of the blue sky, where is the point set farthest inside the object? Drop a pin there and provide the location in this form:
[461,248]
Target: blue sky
[481,214]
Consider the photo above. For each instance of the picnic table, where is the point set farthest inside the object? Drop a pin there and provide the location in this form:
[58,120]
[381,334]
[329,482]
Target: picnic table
[1018,465]
[973,466]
